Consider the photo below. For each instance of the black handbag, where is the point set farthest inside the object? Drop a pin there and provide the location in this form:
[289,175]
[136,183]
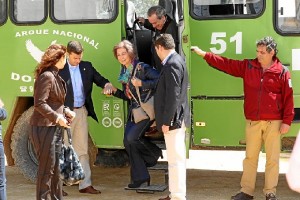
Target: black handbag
[71,171]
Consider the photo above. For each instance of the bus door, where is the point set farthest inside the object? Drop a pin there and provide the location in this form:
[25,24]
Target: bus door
[231,28]
[142,37]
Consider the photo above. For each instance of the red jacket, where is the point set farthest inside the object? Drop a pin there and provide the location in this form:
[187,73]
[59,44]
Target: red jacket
[268,95]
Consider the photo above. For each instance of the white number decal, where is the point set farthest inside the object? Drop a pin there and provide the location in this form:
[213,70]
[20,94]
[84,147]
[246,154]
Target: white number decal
[238,44]
[215,39]
[218,38]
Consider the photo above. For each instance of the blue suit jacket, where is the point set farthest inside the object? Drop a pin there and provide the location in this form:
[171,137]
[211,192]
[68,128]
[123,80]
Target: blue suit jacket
[89,75]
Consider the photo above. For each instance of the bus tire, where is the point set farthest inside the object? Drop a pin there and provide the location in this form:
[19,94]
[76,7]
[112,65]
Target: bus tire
[112,158]
[23,152]
[22,149]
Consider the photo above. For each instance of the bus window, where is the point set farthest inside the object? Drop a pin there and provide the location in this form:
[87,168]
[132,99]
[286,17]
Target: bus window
[288,16]
[2,11]
[130,13]
[73,10]
[28,11]
[143,6]
[221,8]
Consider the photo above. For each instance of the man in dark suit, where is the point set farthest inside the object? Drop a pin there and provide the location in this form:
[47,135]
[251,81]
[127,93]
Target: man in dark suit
[160,22]
[79,76]
[172,112]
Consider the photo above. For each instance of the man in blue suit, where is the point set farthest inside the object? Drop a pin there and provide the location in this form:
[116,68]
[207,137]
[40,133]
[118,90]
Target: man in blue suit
[80,76]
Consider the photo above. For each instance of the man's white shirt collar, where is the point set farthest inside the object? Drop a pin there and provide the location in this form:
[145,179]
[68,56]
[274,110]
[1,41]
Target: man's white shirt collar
[168,56]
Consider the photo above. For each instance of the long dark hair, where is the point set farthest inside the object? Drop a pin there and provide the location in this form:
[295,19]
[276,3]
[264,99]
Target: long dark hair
[51,56]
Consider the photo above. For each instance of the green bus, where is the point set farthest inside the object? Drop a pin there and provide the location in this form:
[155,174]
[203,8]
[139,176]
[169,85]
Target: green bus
[226,27]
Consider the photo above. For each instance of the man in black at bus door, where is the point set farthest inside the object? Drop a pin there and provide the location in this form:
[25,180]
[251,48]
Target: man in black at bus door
[160,22]
[268,108]
[80,76]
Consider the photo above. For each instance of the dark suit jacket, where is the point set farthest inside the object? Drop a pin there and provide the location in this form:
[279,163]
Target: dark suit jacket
[171,99]
[169,27]
[49,97]
[89,75]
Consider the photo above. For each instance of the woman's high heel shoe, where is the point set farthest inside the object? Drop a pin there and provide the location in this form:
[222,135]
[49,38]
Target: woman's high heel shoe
[137,184]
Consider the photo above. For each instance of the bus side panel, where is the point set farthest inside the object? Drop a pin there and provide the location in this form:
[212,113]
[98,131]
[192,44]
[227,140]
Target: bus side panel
[20,47]
[238,39]
[220,123]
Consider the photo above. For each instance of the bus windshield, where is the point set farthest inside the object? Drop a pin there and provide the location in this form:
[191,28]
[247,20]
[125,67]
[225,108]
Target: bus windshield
[206,8]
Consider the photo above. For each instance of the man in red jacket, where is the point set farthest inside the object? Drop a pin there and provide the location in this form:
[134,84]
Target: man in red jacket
[268,108]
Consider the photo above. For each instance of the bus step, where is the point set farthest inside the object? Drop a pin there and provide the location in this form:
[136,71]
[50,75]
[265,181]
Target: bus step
[149,189]
[161,165]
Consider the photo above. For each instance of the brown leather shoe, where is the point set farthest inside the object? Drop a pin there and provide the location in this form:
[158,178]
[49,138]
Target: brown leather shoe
[64,193]
[166,198]
[90,190]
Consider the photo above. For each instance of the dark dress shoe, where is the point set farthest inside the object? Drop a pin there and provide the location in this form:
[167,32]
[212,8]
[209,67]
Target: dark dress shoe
[166,198]
[90,190]
[137,184]
[64,193]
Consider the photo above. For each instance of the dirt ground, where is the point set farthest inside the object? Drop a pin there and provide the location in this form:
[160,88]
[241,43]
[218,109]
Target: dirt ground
[203,184]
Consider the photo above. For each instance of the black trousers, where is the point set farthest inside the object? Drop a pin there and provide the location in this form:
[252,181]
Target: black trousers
[47,142]
[141,151]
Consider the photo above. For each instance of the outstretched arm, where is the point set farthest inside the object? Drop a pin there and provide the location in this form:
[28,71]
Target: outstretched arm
[198,51]
[233,67]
